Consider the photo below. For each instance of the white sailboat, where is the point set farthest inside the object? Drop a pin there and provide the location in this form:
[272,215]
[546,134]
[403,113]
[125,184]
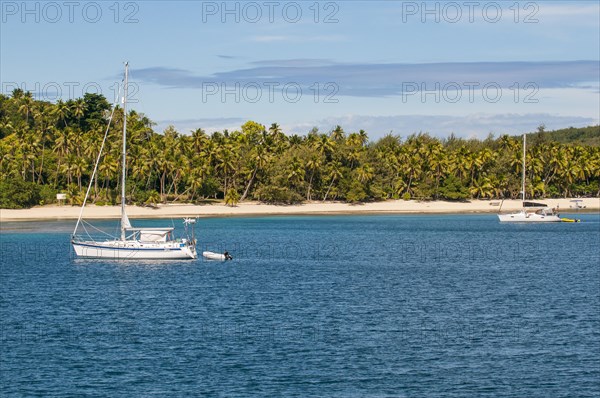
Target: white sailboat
[531,212]
[133,243]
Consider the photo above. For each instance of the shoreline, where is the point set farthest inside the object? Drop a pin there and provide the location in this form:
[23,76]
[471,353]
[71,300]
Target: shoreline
[55,212]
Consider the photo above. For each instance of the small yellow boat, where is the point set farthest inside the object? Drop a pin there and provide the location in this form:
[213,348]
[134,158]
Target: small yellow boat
[564,219]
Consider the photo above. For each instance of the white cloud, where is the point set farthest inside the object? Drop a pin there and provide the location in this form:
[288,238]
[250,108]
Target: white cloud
[209,125]
[477,125]
[568,10]
[268,39]
[386,79]
[296,39]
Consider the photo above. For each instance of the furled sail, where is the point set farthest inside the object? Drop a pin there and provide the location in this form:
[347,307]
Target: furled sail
[125,224]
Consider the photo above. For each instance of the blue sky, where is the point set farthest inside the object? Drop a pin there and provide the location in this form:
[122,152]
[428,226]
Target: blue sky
[468,68]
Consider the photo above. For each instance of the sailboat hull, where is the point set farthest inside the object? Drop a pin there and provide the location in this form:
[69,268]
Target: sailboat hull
[133,250]
[525,217]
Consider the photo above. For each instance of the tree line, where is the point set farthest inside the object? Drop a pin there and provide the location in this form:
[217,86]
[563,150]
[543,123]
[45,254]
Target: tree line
[47,148]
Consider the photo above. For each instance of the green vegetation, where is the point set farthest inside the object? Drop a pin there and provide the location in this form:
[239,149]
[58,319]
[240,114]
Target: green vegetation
[16,193]
[47,148]
[586,136]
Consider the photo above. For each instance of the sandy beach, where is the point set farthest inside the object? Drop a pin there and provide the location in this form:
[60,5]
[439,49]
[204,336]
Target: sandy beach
[54,212]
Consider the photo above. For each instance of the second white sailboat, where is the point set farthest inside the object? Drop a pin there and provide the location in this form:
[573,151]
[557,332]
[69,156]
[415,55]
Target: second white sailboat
[531,212]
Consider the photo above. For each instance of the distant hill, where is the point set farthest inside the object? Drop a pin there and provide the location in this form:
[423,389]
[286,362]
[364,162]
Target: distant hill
[572,136]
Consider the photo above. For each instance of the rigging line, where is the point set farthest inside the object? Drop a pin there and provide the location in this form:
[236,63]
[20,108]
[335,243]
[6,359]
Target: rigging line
[86,231]
[84,223]
[97,161]
[96,228]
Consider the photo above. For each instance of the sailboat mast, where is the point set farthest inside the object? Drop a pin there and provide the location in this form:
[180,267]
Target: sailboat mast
[523,176]
[124,159]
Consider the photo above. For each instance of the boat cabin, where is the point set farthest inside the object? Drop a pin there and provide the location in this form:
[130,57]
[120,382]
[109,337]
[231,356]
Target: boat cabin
[152,234]
[577,204]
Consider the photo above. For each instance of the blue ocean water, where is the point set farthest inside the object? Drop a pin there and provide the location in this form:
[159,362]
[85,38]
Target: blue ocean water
[398,306]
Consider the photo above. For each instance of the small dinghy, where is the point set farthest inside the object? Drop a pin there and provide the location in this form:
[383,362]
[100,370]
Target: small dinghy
[564,219]
[217,256]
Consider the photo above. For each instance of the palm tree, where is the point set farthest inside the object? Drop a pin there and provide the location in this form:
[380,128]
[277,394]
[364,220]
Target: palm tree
[225,164]
[26,105]
[78,109]
[461,162]
[259,158]
[295,140]
[61,110]
[199,139]
[337,134]
[276,140]
[335,174]
[232,198]
[7,126]
[324,145]
[437,162]
[400,186]
[108,168]
[312,165]
[364,173]
[142,166]
[153,198]
[412,167]
[79,167]
[295,173]
[482,188]
[274,130]
[364,138]
[195,180]
[356,148]
[68,168]
[29,148]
